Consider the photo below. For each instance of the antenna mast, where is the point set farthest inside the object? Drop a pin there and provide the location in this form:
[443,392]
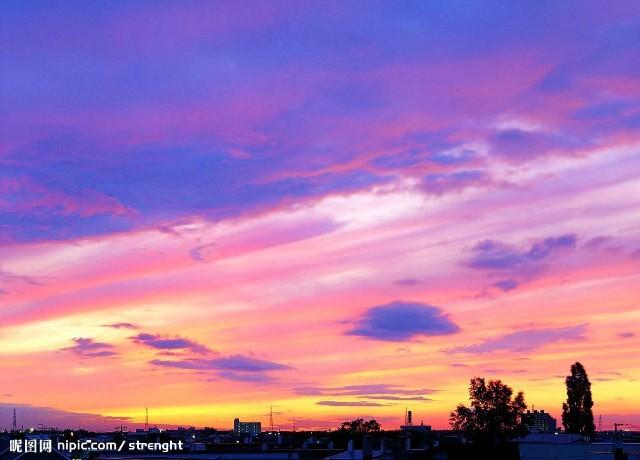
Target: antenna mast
[271,419]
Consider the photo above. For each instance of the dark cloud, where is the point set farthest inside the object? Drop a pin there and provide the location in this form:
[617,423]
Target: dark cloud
[440,183]
[493,370]
[203,253]
[235,367]
[506,285]
[170,343]
[616,373]
[517,144]
[399,320]
[350,404]
[512,266]
[368,390]
[524,341]
[493,255]
[597,242]
[89,348]
[396,398]
[626,335]
[408,282]
[121,325]
[247,364]
[246,376]
[9,277]
[425,148]
[182,363]
[454,157]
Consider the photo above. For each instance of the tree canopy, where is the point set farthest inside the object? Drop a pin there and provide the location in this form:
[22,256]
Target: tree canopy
[577,414]
[493,415]
[360,426]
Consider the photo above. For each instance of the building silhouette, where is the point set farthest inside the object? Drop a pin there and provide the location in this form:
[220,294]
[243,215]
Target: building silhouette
[250,428]
[539,421]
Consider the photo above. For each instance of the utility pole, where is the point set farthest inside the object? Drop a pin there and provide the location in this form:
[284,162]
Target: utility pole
[271,419]
[146,419]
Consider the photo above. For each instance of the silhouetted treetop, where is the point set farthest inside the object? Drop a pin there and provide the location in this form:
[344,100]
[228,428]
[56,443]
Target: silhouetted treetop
[577,414]
[494,415]
[360,426]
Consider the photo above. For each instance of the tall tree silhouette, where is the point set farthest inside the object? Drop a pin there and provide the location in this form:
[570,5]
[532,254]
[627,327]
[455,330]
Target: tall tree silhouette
[577,416]
[493,416]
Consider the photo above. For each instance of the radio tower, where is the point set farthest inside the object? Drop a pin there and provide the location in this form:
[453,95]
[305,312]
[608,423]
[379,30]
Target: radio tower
[271,419]
[15,422]
[600,423]
[146,419]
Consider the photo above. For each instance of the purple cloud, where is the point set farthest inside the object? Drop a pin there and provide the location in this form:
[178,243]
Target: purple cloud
[350,404]
[251,377]
[242,363]
[493,255]
[408,282]
[89,348]
[235,367]
[9,277]
[203,253]
[518,144]
[226,131]
[439,183]
[121,326]
[626,335]
[524,341]
[182,364]
[396,398]
[363,390]
[399,321]
[170,343]
[597,242]
[506,285]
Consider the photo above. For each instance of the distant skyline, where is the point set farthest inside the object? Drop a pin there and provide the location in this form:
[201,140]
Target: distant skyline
[337,209]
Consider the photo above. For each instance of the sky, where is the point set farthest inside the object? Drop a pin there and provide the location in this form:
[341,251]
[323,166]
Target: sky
[337,209]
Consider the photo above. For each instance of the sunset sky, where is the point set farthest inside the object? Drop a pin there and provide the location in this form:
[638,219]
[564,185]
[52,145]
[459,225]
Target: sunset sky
[338,209]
